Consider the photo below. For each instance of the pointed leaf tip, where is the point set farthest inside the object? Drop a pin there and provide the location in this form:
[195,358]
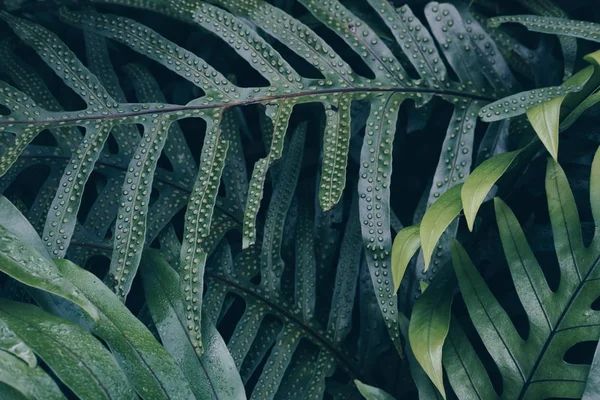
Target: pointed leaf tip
[480,182]
[437,218]
[406,244]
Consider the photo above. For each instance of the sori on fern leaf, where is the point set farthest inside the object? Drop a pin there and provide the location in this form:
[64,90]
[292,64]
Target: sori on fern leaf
[124,184]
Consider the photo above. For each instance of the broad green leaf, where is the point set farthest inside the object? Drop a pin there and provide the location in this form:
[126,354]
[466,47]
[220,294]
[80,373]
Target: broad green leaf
[481,181]
[74,355]
[544,119]
[12,219]
[147,364]
[214,374]
[406,244]
[465,371]
[437,218]
[492,322]
[8,392]
[21,261]
[32,383]
[371,393]
[585,105]
[11,343]
[426,388]
[429,324]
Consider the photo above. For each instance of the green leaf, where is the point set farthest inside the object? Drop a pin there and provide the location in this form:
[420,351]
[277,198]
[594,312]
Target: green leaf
[429,324]
[130,231]
[425,387]
[22,262]
[33,383]
[336,142]
[437,218]
[370,392]
[481,181]
[197,228]
[214,374]
[492,322]
[12,219]
[73,354]
[558,26]
[406,244]
[592,384]
[11,343]
[149,367]
[544,119]
[373,202]
[465,371]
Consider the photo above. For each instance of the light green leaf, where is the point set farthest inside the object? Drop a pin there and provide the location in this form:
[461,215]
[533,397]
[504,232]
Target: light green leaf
[214,374]
[147,364]
[74,355]
[481,181]
[406,244]
[429,324]
[437,218]
[544,119]
[33,383]
[371,393]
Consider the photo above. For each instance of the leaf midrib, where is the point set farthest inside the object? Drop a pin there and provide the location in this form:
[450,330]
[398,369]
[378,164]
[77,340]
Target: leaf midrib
[80,120]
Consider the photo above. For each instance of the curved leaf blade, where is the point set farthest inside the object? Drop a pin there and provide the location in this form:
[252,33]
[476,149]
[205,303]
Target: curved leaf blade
[406,244]
[371,393]
[481,181]
[428,328]
[437,218]
[147,364]
[74,355]
[33,383]
[213,375]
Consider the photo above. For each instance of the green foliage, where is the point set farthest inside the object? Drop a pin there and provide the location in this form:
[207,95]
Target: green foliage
[137,243]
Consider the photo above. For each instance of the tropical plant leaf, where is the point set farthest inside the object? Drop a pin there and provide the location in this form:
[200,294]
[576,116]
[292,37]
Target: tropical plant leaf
[427,338]
[214,374]
[149,367]
[74,355]
[558,320]
[437,218]
[481,181]
[30,382]
[371,393]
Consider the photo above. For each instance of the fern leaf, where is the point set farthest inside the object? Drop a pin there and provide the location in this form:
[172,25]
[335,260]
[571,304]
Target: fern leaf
[374,192]
[553,25]
[412,35]
[197,228]
[304,289]
[150,43]
[558,320]
[271,262]
[342,303]
[336,143]
[280,114]
[130,229]
[296,36]
[62,216]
